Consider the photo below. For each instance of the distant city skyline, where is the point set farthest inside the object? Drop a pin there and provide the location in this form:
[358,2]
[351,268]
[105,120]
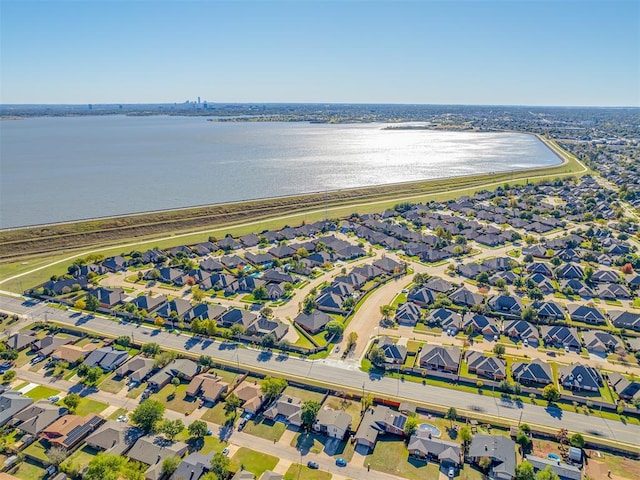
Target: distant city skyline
[542,53]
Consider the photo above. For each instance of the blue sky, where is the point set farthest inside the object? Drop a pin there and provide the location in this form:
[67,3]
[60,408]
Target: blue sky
[480,52]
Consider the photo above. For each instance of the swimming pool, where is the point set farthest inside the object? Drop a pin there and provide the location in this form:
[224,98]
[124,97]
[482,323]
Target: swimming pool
[428,428]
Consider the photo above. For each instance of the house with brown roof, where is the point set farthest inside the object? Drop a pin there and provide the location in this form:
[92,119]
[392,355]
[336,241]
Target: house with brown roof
[209,387]
[251,396]
[70,430]
[73,353]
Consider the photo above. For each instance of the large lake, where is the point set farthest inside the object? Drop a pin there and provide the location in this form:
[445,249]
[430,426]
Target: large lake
[57,169]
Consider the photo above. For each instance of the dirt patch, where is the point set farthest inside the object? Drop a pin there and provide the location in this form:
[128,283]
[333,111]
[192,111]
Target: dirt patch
[599,470]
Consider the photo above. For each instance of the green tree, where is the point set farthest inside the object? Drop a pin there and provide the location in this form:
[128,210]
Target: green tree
[163,359]
[92,303]
[387,312]
[92,376]
[348,304]
[451,415]
[524,471]
[577,440]
[309,413]
[271,387]
[8,376]
[268,340]
[550,393]
[150,349]
[197,294]
[171,428]
[220,466]
[107,466]
[231,405]
[57,455]
[170,465]
[308,305]
[71,401]
[482,278]
[410,426]
[352,339]
[529,314]
[421,278]
[147,415]
[198,429]
[377,356]
[499,350]
[523,440]
[334,328]
[123,341]
[266,312]
[260,293]
[547,474]
[465,435]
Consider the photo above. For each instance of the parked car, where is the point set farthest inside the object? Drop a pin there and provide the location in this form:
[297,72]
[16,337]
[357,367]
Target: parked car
[451,473]
[225,451]
[313,465]
[54,398]
[341,462]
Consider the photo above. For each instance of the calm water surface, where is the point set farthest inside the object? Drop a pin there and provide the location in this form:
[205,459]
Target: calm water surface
[57,169]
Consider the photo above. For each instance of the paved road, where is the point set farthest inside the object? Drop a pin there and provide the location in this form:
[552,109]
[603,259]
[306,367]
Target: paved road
[337,374]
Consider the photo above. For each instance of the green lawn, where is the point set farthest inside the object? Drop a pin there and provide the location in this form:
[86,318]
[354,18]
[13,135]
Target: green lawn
[109,384]
[81,457]
[87,406]
[28,470]
[136,392]
[302,472]
[253,461]
[303,394]
[41,392]
[391,456]
[37,450]
[310,442]
[212,444]
[117,413]
[215,414]
[263,428]
[174,398]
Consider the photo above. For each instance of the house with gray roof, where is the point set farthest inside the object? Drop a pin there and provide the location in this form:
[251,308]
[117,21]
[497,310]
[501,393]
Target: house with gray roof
[437,357]
[193,467]
[626,320]
[205,311]
[12,402]
[21,340]
[376,421]
[486,366]
[583,313]
[237,316]
[37,417]
[579,377]
[534,373]
[268,326]
[138,368]
[313,322]
[422,446]
[332,423]
[49,344]
[114,437]
[286,409]
[502,452]
[107,358]
[480,324]
[561,336]
[445,318]
[522,330]
[549,311]
[601,342]
[421,296]
[626,389]
[563,470]
[394,354]
[506,304]
[152,451]
[439,285]
[465,297]
[180,367]
[109,297]
[408,314]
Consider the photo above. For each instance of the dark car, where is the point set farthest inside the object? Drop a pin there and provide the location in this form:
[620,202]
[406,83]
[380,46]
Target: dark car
[313,465]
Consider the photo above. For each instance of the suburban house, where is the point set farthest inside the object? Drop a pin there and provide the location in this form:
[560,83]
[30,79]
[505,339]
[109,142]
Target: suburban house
[268,326]
[193,467]
[466,298]
[379,420]
[582,313]
[47,345]
[626,320]
[394,353]
[22,340]
[70,430]
[152,451]
[408,314]
[204,311]
[486,366]
[421,296]
[73,353]
[149,303]
[109,297]
[114,437]
[480,324]
[313,322]
[209,387]
[332,423]
[137,369]
[563,470]
[12,402]
[176,308]
[251,397]
[522,330]
[502,452]
[436,357]
[439,285]
[236,316]
[37,417]
[421,446]
[506,304]
[600,342]
[628,390]
[180,367]
[447,319]
[107,358]
[285,409]
[579,377]
[561,336]
[533,373]
[549,311]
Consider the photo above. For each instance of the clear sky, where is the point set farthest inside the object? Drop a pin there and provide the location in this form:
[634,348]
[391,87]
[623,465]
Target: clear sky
[548,52]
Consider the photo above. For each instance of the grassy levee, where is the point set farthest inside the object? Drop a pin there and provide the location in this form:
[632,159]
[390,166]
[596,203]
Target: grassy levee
[24,250]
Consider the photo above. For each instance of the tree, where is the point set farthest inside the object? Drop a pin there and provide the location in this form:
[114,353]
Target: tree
[577,440]
[501,283]
[482,278]
[162,359]
[352,339]
[348,304]
[524,471]
[80,304]
[421,278]
[105,466]
[499,350]
[92,303]
[170,465]
[272,387]
[150,349]
[377,356]
[8,376]
[266,312]
[309,413]
[550,393]
[220,466]
[334,328]
[529,314]
[410,426]
[91,377]
[465,435]
[451,415]
[198,429]
[547,474]
[57,455]
[159,322]
[268,340]
[387,312]
[366,401]
[260,293]
[71,401]
[123,341]
[147,414]
[197,294]
[485,463]
[231,405]
[523,440]
[308,305]
[171,428]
